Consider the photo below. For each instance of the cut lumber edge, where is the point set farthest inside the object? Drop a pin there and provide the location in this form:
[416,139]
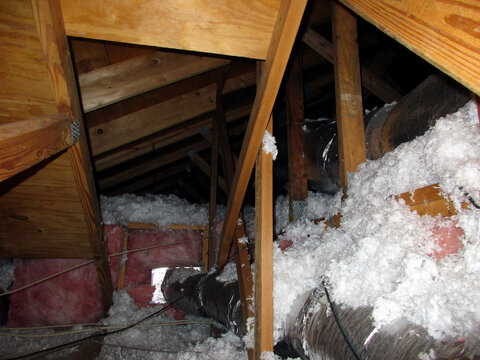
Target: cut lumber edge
[28,142]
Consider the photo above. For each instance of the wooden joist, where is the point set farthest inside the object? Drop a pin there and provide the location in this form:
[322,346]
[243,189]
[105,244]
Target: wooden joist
[445,33]
[25,143]
[348,92]
[370,81]
[242,28]
[136,125]
[122,80]
[429,201]
[286,27]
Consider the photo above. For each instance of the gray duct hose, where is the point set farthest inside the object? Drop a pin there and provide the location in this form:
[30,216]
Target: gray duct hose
[313,330]
[202,294]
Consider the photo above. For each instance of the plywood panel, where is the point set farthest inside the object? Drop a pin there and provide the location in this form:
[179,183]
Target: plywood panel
[43,212]
[238,28]
[443,32]
[25,89]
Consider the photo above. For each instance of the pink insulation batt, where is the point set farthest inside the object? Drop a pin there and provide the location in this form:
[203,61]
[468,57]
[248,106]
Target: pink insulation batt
[75,297]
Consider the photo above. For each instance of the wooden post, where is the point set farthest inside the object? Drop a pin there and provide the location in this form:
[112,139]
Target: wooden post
[284,33]
[242,257]
[263,252]
[348,92]
[51,31]
[213,199]
[295,121]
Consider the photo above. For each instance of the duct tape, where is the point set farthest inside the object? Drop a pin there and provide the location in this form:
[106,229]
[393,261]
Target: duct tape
[298,209]
[75,130]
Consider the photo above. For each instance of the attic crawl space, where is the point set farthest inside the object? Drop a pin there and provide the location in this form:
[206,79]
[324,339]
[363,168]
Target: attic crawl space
[268,179]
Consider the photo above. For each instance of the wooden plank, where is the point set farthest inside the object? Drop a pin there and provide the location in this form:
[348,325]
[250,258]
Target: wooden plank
[429,201]
[25,90]
[116,82]
[445,33]
[88,55]
[370,81]
[348,92]
[264,252]
[286,27]
[164,138]
[242,28]
[25,143]
[158,117]
[156,162]
[297,178]
[203,165]
[51,32]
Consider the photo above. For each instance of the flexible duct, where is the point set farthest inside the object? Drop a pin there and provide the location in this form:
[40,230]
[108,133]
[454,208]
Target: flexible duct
[314,331]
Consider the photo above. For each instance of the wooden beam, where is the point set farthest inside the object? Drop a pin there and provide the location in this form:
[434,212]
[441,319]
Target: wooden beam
[51,32]
[429,201]
[25,143]
[116,82]
[209,247]
[134,126]
[370,81]
[166,137]
[264,252]
[348,92]
[241,29]
[297,178]
[206,169]
[445,33]
[286,27]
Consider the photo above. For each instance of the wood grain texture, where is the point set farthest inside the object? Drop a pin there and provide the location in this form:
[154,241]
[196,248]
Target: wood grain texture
[131,127]
[25,90]
[50,27]
[443,32]
[240,28]
[25,143]
[429,201]
[348,92]
[285,31]
[264,252]
[125,79]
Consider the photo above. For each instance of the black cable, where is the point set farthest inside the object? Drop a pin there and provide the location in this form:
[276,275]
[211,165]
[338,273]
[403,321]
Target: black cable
[342,330]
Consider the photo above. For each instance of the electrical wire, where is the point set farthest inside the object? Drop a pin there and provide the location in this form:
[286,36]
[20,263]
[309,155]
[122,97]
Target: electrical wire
[87,263]
[339,324]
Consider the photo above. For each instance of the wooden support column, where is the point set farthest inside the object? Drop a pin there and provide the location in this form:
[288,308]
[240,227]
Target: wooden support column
[348,92]
[211,258]
[51,31]
[263,252]
[242,257]
[297,177]
[284,33]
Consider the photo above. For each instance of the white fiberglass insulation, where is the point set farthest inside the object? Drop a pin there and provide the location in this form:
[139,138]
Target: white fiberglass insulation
[381,254]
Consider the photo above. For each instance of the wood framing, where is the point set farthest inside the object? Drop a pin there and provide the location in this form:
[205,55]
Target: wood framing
[348,92]
[25,143]
[207,170]
[297,178]
[370,81]
[241,28]
[263,252]
[445,33]
[51,31]
[122,80]
[286,27]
